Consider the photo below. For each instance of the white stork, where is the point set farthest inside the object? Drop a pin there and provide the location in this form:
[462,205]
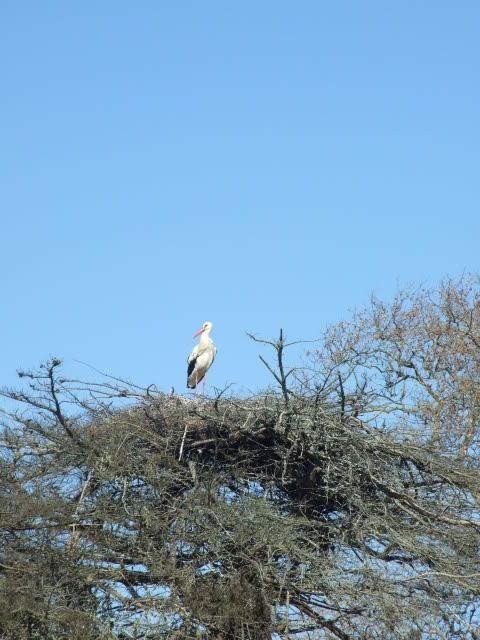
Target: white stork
[201,358]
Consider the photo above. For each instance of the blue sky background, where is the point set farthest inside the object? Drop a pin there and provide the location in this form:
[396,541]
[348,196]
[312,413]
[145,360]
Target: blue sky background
[257,164]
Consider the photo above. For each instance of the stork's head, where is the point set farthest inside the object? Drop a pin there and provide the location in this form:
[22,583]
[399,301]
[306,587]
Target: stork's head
[206,328]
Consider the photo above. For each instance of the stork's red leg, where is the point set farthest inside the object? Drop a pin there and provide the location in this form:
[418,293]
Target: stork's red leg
[204,383]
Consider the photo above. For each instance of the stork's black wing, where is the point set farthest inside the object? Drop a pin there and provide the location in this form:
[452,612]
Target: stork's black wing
[191,366]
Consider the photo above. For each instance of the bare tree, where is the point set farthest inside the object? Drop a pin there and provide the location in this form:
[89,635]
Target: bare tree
[126,513]
[414,363]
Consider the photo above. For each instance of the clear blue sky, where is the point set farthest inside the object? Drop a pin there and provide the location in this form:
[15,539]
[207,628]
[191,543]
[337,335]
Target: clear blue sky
[257,164]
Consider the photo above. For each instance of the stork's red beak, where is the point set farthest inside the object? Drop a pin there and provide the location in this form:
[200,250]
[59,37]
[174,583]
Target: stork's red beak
[199,332]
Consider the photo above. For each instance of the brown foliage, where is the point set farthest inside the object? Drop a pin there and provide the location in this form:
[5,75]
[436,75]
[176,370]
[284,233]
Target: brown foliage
[127,514]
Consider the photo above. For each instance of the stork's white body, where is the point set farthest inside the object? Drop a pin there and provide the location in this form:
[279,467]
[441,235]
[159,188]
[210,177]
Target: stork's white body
[201,358]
